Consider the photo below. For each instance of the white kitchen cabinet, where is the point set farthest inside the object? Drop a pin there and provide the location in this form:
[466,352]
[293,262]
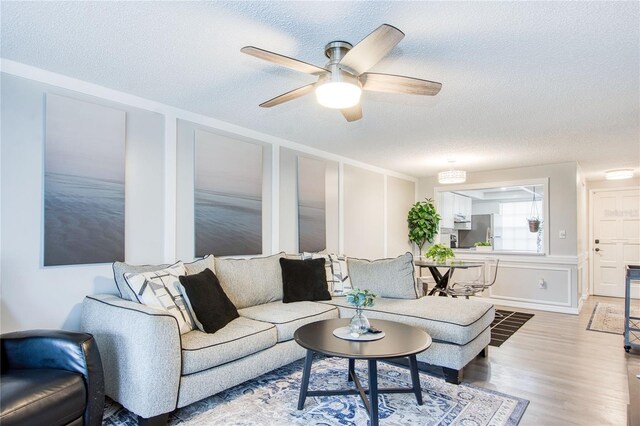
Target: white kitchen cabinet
[445,209]
[453,207]
[462,206]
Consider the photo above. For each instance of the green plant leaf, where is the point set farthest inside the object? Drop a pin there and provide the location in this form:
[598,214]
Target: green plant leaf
[423,221]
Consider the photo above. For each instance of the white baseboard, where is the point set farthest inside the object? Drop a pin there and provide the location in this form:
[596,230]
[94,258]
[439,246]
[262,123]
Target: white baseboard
[536,306]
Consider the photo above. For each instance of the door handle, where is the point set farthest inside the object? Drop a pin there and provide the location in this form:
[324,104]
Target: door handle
[597,249]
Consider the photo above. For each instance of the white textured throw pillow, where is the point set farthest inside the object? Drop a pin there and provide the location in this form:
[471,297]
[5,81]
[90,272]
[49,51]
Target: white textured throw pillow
[338,281]
[251,282]
[160,289]
[393,278]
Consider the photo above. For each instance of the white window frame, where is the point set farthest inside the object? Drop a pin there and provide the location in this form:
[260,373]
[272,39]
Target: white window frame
[500,184]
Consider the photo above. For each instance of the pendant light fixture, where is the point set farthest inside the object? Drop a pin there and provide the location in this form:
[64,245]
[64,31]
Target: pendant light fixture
[452,176]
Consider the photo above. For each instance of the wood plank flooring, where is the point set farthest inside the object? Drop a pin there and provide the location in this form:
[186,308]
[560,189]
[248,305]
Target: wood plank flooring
[570,375]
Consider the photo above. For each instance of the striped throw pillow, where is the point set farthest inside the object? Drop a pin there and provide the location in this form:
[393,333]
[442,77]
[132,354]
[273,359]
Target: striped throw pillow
[160,289]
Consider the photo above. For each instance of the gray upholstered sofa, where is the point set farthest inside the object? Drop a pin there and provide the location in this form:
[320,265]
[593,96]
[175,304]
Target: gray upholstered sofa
[152,369]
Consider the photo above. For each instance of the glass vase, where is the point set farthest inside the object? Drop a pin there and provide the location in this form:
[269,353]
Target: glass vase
[359,323]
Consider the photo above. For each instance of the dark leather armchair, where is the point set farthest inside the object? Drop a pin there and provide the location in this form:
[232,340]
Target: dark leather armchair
[50,377]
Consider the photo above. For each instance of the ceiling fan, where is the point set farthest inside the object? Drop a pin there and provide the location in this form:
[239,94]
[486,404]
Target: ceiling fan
[341,81]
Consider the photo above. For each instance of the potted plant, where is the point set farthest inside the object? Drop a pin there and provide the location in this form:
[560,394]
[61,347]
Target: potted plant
[440,253]
[483,246]
[534,224]
[360,299]
[423,221]
[534,219]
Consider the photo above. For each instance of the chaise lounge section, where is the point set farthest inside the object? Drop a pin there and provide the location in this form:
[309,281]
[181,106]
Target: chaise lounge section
[460,331]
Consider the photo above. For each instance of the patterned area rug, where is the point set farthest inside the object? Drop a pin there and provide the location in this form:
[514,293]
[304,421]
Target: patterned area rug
[609,318]
[271,399]
[505,324]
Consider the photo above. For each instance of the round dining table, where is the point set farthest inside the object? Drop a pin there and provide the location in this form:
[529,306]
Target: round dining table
[442,279]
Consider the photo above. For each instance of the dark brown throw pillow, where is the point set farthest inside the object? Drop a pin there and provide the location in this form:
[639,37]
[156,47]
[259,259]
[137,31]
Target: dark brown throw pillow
[304,280]
[208,301]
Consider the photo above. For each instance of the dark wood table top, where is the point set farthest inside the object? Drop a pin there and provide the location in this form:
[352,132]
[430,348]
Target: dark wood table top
[400,340]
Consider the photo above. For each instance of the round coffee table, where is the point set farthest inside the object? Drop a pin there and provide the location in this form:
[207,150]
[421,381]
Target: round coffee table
[400,341]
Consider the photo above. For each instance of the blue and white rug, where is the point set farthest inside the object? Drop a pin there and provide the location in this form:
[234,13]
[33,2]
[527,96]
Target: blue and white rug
[271,399]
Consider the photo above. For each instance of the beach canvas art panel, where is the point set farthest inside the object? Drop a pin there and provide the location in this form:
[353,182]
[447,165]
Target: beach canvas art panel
[312,233]
[83,182]
[228,196]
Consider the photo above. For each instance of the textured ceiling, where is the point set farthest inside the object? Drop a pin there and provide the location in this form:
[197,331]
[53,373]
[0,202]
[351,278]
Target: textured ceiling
[524,83]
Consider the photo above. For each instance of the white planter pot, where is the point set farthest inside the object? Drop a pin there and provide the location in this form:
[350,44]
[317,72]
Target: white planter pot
[484,248]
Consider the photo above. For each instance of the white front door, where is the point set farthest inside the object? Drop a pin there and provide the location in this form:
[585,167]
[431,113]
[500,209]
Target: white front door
[616,240]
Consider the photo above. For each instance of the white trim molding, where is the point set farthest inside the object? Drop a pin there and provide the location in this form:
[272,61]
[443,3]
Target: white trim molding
[558,273]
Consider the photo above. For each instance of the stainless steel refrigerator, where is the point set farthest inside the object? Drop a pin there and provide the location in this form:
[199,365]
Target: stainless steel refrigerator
[484,227]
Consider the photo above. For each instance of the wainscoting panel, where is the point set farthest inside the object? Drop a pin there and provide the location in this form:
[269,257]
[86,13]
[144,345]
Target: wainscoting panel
[538,284]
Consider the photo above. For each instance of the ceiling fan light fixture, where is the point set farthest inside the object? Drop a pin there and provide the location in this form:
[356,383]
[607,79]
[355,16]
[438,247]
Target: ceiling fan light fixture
[618,174]
[342,79]
[338,94]
[452,176]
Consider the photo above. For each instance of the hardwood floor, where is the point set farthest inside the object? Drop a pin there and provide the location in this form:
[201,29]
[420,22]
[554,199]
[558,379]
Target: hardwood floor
[570,375]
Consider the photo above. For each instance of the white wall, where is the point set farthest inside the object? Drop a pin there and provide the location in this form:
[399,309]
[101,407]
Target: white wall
[33,296]
[485,207]
[363,213]
[159,196]
[563,199]
[401,195]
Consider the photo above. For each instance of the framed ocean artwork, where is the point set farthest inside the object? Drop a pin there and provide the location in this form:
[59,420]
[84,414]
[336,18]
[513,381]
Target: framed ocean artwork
[228,196]
[84,174]
[312,229]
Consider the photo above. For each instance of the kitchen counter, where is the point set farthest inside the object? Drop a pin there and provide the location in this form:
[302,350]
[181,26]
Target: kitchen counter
[499,252]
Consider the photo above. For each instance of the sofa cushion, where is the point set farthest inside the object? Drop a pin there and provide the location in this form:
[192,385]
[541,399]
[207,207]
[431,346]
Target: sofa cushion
[394,278]
[304,280]
[456,321]
[41,397]
[250,282]
[199,265]
[160,289]
[287,317]
[209,305]
[240,338]
[121,268]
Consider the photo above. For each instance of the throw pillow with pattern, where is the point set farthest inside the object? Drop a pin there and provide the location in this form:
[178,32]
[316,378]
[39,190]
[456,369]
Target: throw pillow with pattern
[338,281]
[160,289]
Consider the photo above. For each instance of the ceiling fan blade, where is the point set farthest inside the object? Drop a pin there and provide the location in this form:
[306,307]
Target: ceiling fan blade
[352,114]
[282,60]
[372,48]
[398,84]
[289,96]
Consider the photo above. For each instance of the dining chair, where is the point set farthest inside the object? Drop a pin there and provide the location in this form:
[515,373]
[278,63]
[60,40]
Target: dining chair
[471,286]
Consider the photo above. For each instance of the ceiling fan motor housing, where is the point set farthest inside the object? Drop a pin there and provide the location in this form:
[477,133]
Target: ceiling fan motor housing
[335,51]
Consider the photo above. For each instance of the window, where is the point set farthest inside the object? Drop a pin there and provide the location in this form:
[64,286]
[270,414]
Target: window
[515,229]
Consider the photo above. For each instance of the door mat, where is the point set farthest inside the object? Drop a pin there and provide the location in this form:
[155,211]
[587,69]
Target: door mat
[505,324]
[609,318]
[271,400]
